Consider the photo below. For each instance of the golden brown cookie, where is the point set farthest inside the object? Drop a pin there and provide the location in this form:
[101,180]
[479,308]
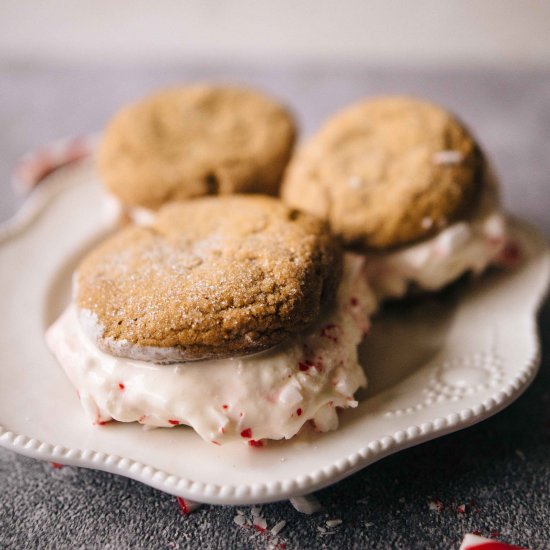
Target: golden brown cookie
[212,277]
[194,141]
[387,172]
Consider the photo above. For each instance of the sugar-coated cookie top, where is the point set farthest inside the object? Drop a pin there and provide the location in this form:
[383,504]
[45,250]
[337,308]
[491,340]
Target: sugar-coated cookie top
[193,141]
[387,172]
[212,277]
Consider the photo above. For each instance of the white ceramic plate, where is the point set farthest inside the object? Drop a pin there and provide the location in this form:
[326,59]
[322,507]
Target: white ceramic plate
[434,367]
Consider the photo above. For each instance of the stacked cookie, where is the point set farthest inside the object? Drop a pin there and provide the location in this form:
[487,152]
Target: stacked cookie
[403,182]
[234,314]
[190,142]
[219,307]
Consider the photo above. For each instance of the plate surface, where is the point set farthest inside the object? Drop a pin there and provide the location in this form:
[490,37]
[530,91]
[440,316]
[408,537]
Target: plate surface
[434,366]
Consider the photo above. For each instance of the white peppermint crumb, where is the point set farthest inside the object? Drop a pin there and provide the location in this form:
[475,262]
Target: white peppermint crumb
[333,522]
[278,527]
[307,504]
[369,524]
[402,500]
[321,529]
[448,157]
[256,510]
[355,182]
[240,520]
[283,459]
[426,222]
[520,454]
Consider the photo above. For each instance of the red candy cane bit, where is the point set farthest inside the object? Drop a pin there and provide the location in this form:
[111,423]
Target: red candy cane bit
[331,332]
[102,422]
[299,412]
[256,443]
[225,407]
[494,534]
[436,505]
[121,386]
[304,366]
[174,422]
[216,443]
[495,241]
[510,255]
[183,506]
[247,433]
[494,545]
[56,465]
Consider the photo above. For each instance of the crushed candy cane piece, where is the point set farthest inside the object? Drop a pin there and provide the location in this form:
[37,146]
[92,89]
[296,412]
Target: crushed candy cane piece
[290,394]
[187,506]
[520,454]
[436,505]
[307,504]
[427,222]
[333,523]
[240,520]
[448,157]
[260,524]
[255,511]
[475,542]
[278,527]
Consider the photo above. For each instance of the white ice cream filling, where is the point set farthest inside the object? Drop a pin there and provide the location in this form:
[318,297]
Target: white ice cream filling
[270,395]
[466,246]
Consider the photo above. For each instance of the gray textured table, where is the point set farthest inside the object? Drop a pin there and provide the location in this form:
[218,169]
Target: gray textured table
[500,468]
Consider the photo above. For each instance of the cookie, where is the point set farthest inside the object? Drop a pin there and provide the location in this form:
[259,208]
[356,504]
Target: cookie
[194,141]
[213,277]
[387,172]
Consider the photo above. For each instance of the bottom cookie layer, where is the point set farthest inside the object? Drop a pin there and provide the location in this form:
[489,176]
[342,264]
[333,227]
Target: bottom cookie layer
[270,395]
